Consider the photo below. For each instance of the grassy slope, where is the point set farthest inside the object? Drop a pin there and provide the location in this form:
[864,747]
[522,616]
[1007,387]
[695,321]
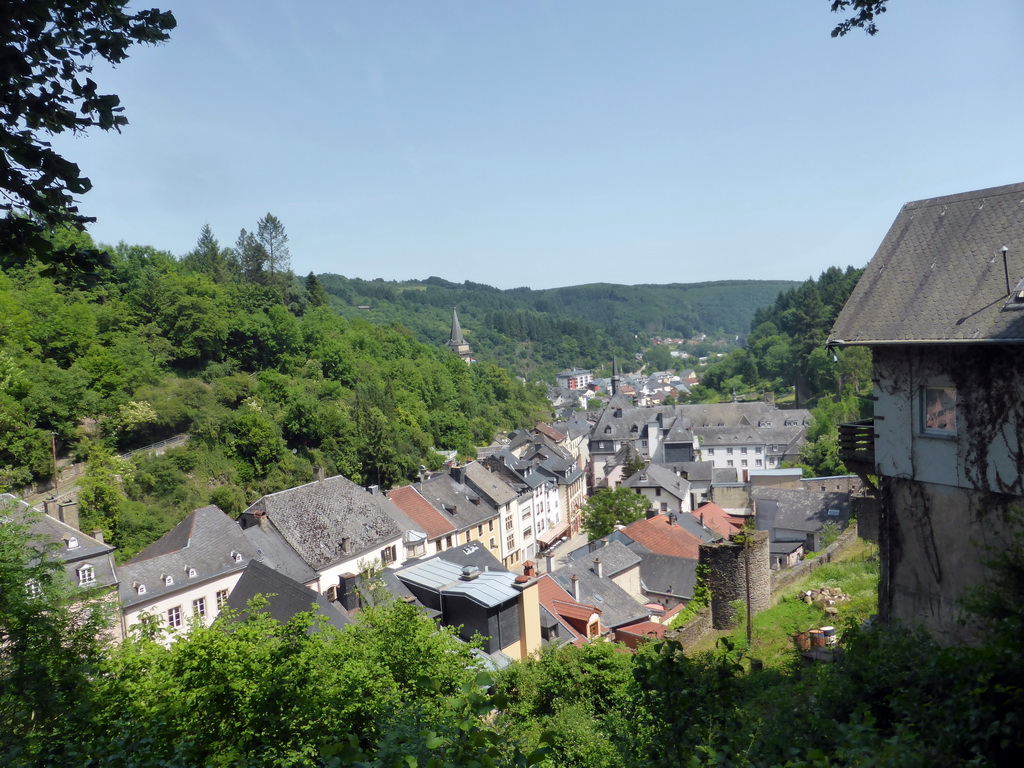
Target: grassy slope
[855,572]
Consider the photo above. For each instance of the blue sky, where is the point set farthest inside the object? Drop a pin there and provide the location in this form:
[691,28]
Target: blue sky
[555,142]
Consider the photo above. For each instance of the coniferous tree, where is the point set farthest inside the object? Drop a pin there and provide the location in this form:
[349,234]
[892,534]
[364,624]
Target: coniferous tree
[252,257]
[271,235]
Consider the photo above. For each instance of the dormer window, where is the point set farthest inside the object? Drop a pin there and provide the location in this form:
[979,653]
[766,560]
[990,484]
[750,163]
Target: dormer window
[236,556]
[168,580]
[72,542]
[86,575]
[191,573]
[140,588]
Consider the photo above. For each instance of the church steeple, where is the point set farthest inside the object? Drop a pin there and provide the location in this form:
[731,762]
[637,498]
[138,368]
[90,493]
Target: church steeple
[456,342]
[615,376]
[456,337]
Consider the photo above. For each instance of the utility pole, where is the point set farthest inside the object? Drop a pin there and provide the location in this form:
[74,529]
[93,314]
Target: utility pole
[53,455]
[746,572]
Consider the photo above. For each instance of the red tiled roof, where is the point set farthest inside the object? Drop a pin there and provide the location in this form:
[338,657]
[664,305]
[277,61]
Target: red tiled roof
[549,431]
[420,511]
[560,604]
[574,610]
[718,520]
[663,538]
[643,629]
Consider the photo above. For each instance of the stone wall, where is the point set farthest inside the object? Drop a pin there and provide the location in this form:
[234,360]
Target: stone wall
[782,579]
[692,631]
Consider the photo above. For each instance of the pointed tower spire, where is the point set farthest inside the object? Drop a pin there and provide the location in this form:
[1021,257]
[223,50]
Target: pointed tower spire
[615,376]
[456,337]
[457,343]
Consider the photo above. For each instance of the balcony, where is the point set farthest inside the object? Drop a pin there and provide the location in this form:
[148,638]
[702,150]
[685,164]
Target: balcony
[857,446]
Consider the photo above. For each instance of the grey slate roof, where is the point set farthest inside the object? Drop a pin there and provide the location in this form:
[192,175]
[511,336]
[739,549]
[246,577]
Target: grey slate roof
[285,596]
[694,471]
[617,607]
[461,504]
[668,575]
[473,553]
[615,558]
[50,533]
[659,476]
[493,485]
[272,550]
[938,275]
[330,520]
[204,541]
[798,510]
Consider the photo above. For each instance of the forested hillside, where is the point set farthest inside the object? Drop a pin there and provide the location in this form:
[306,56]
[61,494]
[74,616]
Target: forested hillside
[538,332]
[268,382]
[785,353]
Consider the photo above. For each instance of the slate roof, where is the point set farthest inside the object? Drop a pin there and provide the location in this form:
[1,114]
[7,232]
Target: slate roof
[463,505]
[668,575]
[52,533]
[421,512]
[617,607]
[615,556]
[204,541]
[330,520]
[273,551]
[494,485]
[798,510]
[694,471]
[471,553]
[938,275]
[658,476]
[285,596]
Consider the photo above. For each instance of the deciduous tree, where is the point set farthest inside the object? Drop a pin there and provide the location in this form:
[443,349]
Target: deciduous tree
[47,50]
[606,509]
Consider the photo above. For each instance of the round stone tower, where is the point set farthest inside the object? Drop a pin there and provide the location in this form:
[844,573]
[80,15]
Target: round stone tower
[728,561]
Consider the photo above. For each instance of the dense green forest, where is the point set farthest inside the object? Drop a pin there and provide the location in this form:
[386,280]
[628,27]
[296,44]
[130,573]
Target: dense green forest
[232,349]
[538,332]
[394,690]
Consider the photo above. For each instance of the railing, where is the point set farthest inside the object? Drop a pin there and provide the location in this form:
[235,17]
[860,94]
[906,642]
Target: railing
[171,442]
[857,444]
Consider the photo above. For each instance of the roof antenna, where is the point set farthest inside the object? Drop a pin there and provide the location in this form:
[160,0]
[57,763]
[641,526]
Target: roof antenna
[1006,270]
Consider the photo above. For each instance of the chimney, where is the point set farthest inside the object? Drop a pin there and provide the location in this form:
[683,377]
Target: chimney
[458,474]
[50,507]
[530,569]
[702,519]
[672,518]
[67,512]
[599,566]
[261,518]
[575,588]
[318,473]
[347,594]
[98,535]
[548,563]
[374,490]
